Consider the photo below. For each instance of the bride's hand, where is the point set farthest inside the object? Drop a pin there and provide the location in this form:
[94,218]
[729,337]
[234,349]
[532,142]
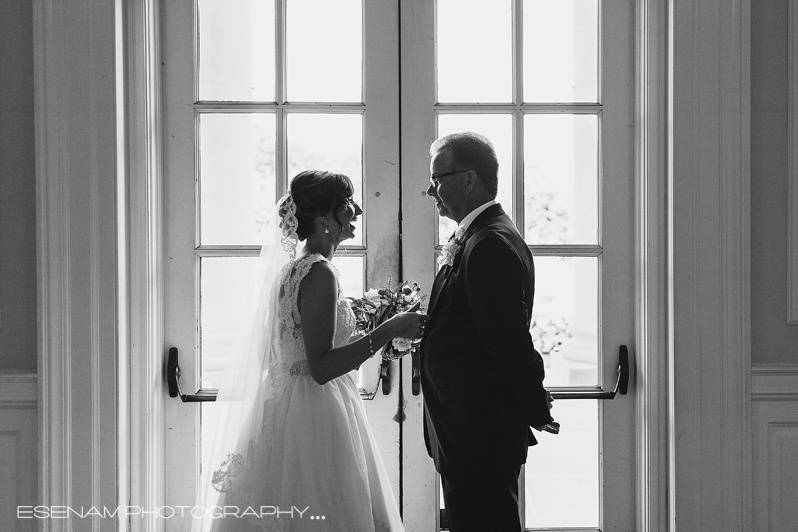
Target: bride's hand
[408,324]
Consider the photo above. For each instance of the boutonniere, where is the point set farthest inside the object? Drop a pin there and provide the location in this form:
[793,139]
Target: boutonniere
[451,248]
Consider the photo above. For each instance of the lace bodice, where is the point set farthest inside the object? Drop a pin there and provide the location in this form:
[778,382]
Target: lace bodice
[292,357]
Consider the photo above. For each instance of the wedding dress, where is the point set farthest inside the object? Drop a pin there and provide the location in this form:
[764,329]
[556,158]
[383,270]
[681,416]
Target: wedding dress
[313,457]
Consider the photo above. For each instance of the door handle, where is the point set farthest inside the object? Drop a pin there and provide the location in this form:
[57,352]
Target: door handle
[621,383]
[385,376]
[173,380]
[209,394]
[415,380]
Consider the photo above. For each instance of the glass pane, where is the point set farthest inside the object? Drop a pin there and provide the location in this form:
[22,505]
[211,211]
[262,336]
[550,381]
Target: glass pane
[351,271]
[562,471]
[474,54]
[561,50]
[332,142]
[236,50]
[561,179]
[226,306]
[324,50]
[565,319]
[237,176]
[499,130]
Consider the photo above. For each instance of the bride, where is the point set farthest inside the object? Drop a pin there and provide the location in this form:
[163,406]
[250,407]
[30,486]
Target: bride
[292,448]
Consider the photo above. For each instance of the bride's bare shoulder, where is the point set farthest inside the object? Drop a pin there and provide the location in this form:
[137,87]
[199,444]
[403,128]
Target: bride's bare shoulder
[320,279]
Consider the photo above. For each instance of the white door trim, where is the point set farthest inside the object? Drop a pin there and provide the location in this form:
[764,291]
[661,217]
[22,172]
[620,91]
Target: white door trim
[709,256]
[650,372]
[143,289]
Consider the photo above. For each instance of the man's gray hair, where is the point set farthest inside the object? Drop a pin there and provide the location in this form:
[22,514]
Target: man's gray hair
[471,150]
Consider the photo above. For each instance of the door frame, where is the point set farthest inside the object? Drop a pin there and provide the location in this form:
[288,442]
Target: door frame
[650,381]
[143,347]
[650,368]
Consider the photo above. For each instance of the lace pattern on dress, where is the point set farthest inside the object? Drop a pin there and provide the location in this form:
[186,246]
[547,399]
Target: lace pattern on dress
[291,279]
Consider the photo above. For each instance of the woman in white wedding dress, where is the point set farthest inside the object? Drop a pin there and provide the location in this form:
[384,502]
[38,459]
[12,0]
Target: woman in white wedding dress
[294,450]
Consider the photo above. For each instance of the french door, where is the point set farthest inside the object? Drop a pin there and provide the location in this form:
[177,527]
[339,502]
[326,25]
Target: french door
[255,91]
[551,84]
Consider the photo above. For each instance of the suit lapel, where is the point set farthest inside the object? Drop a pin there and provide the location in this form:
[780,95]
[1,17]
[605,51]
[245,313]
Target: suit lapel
[436,288]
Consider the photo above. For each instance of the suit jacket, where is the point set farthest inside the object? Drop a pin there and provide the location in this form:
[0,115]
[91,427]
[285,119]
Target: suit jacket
[481,377]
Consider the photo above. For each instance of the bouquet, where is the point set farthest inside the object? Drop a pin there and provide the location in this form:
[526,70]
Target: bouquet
[379,305]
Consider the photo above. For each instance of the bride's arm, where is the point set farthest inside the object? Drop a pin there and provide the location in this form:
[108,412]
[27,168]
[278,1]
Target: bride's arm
[318,294]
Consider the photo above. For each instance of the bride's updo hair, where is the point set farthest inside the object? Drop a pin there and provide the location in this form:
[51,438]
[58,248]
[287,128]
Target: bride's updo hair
[317,192]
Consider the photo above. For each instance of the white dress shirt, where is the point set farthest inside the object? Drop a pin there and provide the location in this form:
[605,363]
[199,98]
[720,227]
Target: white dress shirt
[451,247]
[471,216]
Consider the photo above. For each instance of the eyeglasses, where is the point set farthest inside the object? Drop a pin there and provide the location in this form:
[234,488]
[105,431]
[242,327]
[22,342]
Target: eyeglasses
[434,178]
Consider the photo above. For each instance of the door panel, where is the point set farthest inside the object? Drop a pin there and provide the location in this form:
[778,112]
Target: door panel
[246,106]
[563,132]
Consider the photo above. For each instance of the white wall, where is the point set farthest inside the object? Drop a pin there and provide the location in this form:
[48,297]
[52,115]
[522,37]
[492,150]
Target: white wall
[17,189]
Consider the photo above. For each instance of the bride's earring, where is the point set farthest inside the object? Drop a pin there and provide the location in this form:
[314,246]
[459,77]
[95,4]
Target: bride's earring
[326,229]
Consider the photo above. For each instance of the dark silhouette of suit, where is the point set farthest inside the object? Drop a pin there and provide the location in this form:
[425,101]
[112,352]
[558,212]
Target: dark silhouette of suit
[481,377]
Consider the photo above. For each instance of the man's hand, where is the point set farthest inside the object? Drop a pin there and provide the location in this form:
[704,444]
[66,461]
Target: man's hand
[553,428]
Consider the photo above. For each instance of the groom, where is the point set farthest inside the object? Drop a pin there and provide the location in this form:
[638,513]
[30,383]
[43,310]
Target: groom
[481,377]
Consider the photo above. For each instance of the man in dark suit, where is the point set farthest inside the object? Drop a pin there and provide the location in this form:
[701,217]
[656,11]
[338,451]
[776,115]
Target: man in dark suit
[481,378]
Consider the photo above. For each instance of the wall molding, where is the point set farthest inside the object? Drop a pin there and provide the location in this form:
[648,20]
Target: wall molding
[709,260]
[76,222]
[792,163]
[774,382]
[18,390]
[18,412]
[774,436]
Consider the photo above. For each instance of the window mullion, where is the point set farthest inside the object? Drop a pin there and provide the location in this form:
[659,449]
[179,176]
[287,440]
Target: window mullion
[518,51]
[280,154]
[279,50]
[518,171]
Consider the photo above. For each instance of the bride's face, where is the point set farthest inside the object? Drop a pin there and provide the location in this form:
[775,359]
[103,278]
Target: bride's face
[347,215]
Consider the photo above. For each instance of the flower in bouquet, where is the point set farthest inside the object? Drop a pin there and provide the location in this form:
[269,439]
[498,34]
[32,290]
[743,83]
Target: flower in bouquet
[379,305]
[402,345]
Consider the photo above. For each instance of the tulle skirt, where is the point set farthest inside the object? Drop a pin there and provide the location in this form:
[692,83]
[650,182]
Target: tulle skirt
[315,467]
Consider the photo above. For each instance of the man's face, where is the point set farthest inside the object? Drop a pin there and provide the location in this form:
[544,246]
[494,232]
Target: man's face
[448,191]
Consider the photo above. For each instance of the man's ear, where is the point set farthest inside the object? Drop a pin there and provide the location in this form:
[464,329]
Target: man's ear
[471,181]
